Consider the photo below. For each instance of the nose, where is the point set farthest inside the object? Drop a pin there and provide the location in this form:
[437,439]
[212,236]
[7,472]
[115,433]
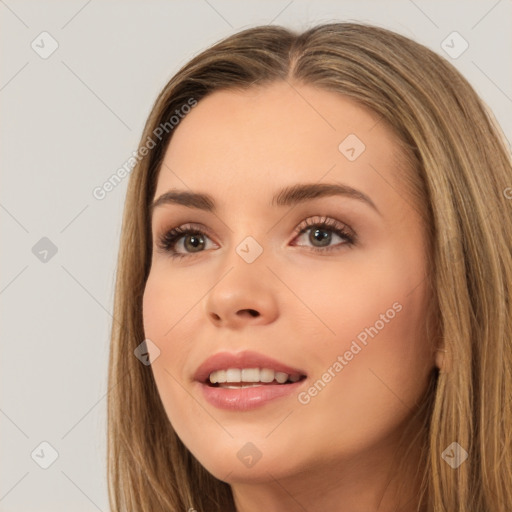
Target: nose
[245,295]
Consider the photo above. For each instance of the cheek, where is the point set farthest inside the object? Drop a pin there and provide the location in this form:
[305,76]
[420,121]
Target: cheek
[372,361]
[165,324]
[165,304]
[172,321]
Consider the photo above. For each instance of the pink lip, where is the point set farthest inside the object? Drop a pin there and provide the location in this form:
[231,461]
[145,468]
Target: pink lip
[247,398]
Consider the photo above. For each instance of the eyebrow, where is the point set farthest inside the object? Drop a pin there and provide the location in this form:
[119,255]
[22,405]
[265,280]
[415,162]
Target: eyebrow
[288,196]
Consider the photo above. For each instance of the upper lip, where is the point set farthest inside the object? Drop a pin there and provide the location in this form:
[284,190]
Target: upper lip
[245,359]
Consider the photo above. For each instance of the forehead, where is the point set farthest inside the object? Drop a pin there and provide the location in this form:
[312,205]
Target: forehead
[238,143]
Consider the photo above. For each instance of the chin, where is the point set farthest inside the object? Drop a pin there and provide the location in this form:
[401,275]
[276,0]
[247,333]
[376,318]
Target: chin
[242,461]
[233,474]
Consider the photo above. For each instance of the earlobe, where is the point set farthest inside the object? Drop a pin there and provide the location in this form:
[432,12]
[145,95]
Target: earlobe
[442,360]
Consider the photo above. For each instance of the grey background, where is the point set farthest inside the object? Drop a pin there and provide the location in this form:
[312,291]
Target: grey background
[68,123]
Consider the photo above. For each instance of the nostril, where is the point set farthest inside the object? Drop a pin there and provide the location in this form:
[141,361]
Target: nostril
[251,312]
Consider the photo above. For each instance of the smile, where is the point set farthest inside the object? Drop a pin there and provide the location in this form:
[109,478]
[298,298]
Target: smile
[245,380]
[256,376]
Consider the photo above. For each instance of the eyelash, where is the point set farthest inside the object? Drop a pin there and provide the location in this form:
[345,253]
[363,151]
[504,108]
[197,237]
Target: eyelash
[168,240]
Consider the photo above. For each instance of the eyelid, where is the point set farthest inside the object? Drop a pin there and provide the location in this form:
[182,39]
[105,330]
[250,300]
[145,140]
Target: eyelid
[325,220]
[304,224]
[193,226]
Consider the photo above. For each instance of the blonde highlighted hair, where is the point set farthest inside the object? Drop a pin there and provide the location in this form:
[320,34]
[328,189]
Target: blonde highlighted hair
[461,182]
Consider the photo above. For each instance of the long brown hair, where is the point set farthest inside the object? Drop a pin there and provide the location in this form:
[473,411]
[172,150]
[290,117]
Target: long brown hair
[461,179]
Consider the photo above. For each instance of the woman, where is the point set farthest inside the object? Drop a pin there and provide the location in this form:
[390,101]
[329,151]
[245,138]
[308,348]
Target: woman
[278,367]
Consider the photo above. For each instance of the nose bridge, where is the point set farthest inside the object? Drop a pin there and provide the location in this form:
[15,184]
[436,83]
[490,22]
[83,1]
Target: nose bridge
[249,239]
[250,250]
[246,265]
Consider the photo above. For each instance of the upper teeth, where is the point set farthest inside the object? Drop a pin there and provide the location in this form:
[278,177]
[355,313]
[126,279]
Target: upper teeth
[251,375]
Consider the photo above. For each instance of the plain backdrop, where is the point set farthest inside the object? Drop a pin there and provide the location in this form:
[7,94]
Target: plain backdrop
[69,120]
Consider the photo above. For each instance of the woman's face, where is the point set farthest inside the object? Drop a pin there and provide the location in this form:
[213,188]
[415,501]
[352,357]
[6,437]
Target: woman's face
[341,306]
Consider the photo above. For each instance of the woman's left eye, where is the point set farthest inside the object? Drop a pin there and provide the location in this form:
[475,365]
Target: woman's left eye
[320,232]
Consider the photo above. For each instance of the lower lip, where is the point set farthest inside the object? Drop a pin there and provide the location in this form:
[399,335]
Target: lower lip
[249,398]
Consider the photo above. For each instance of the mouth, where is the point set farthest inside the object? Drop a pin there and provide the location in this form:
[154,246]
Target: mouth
[245,380]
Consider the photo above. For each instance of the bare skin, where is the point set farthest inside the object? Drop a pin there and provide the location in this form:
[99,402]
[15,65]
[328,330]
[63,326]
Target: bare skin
[333,451]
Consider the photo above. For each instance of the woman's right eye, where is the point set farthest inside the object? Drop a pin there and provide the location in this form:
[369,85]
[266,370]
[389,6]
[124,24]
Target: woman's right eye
[189,238]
